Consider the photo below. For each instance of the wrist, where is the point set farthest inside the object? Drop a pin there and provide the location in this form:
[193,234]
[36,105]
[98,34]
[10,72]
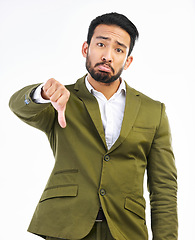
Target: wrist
[37,96]
[43,94]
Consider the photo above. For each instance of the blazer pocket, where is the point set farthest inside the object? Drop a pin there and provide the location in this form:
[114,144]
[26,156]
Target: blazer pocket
[59,191]
[135,207]
[142,129]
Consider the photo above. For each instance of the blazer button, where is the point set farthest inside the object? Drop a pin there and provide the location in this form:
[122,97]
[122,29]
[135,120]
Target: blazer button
[102,192]
[106,158]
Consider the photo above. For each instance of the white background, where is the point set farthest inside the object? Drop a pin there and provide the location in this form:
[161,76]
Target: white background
[41,39]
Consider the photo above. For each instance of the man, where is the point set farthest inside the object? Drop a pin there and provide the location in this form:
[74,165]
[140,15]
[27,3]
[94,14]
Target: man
[104,135]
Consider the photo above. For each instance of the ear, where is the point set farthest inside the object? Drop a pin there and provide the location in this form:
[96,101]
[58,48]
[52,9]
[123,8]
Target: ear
[85,49]
[128,62]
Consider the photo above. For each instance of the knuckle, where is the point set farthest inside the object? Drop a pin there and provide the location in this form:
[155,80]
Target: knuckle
[67,93]
[60,103]
[52,98]
[61,88]
[52,80]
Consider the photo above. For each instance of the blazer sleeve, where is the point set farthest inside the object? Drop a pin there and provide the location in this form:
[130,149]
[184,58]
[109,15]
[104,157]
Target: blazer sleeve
[162,183]
[40,116]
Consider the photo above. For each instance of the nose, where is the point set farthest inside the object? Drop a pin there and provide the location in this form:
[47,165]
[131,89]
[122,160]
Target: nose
[107,56]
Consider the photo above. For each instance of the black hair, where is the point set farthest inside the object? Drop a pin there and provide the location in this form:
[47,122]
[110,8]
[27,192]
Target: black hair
[115,19]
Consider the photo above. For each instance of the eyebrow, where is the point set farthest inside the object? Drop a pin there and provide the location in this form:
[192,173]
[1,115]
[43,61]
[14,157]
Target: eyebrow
[107,38]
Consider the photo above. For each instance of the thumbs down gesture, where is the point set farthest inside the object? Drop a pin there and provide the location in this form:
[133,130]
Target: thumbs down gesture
[59,96]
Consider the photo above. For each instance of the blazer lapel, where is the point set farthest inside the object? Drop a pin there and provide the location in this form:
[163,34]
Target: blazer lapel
[91,105]
[132,106]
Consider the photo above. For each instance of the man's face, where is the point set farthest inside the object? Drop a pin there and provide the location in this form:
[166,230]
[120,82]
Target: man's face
[106,56]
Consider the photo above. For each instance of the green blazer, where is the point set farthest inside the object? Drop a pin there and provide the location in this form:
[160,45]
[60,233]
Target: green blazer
[86,173]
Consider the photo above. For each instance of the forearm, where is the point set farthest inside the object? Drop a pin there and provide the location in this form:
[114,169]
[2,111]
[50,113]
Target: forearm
[162,184]
[40,116]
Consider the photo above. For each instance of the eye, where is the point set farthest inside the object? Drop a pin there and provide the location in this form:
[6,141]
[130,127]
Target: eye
[100,45]
[119,50]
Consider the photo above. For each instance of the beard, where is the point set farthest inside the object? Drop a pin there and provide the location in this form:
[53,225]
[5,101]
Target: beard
[101,76]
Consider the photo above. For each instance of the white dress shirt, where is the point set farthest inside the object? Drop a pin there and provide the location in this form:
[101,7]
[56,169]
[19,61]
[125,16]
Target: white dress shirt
[112,110]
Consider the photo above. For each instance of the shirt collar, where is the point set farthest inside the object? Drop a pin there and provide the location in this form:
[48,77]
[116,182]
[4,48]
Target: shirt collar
[121,88]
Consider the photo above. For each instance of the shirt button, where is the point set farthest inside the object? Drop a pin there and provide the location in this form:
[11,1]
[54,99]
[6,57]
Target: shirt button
[102,192]
[106,158]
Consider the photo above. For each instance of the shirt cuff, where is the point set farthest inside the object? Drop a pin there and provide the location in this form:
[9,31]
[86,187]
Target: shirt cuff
[37,98]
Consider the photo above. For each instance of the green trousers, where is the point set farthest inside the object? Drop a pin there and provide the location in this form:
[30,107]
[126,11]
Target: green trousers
[100,231]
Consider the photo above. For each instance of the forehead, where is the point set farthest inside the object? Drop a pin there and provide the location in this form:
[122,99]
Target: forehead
[112,32]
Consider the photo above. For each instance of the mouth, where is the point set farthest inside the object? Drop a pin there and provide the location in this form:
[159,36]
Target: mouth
[104,68]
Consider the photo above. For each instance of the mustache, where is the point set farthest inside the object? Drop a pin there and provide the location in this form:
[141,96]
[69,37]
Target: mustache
[104,63]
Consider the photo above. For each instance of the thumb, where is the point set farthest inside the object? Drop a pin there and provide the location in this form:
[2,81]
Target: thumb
[61,118]
[61,114]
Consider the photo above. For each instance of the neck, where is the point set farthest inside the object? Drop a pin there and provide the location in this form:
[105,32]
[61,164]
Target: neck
[107,89]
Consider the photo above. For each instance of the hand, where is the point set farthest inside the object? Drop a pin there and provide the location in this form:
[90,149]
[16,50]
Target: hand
[58,95]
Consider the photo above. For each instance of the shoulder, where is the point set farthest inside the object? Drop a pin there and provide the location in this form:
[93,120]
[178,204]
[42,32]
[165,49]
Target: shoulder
[145,100]
[150,110]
